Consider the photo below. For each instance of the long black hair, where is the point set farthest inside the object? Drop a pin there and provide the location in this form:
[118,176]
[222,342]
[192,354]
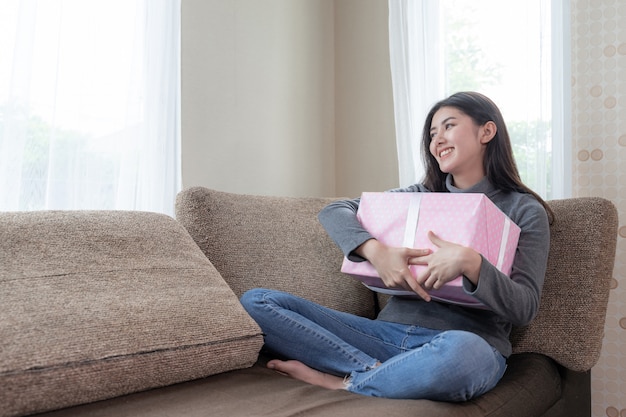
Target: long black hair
[499,163]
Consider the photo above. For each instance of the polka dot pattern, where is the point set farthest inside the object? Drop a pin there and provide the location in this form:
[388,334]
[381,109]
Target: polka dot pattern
[599,149]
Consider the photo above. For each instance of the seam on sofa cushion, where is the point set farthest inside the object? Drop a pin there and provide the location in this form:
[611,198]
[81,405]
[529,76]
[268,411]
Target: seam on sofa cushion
[134,354]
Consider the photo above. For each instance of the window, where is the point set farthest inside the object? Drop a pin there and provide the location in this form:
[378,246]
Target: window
[512,51]
[89,104]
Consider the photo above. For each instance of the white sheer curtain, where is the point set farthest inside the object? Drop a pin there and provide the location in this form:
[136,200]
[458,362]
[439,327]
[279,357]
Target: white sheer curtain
[510,51]
[417,84]
[89,104]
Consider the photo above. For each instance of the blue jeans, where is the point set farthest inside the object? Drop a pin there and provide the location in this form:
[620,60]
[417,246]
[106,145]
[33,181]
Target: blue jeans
[415,362]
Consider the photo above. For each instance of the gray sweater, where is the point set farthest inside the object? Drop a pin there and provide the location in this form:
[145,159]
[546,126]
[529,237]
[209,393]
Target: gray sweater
[511,301]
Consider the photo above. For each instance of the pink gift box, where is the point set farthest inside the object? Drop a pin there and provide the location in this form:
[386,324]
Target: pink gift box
[404,220]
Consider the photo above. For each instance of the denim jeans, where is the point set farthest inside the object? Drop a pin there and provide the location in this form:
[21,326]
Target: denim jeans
[415,362]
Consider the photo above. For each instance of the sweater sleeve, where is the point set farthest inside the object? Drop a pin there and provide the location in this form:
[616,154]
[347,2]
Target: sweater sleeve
[340,221]
[342,225]
[517,298]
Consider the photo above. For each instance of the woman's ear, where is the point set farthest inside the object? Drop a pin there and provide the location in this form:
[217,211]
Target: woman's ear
[488,132]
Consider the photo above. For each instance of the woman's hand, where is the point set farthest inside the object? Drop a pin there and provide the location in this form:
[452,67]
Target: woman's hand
[392,265]
[447,263]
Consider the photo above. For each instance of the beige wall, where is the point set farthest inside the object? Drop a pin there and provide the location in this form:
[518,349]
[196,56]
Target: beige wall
[366,152]
[258,96]
[275,92]
[599,165]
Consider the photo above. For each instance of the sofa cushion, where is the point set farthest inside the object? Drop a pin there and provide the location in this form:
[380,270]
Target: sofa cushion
[530,386]
[569,326]
[96,304]
[275,242]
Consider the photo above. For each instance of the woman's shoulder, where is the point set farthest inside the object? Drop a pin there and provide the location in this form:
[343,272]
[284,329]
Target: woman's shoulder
[523,208]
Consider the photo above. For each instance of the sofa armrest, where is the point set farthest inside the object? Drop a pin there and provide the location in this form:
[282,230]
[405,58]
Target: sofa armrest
[569,326]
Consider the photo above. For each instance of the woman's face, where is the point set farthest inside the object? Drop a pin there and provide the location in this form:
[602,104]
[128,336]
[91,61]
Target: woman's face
[458,144]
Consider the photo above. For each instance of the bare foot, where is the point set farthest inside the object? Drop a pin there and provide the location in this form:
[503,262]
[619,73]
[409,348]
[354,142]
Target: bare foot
[301,372]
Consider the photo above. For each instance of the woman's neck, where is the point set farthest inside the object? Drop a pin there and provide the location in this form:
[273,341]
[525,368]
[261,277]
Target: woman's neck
[463,183]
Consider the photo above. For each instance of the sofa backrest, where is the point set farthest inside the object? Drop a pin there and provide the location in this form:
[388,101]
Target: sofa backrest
[272,242]
[570,324]
[277,242]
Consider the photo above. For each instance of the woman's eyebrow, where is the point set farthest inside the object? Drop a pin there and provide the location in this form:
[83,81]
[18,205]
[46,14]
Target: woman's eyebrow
[446,120]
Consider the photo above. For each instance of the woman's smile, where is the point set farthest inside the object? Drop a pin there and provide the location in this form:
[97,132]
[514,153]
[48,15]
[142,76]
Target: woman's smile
[445,152]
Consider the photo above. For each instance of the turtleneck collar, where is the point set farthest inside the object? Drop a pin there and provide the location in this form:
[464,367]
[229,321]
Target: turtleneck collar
[483,186]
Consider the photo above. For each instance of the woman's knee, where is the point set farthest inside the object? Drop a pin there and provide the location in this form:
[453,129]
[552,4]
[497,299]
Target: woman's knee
[251,299]
[470,353]
[478,366]
[260,299]
[460,343]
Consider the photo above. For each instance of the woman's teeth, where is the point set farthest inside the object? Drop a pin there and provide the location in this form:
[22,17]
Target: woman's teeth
[445,152]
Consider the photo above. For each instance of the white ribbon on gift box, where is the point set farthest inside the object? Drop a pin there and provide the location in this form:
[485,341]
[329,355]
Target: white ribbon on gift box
[503,242]
[412,219]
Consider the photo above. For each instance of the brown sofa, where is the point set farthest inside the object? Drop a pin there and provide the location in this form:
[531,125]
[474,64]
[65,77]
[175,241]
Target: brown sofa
[136,314]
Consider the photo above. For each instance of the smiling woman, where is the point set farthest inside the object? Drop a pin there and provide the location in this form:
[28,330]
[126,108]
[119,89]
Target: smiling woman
[89,105]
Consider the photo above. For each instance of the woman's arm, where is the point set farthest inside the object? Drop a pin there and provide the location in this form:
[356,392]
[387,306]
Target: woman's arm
[340,221]
[517,298]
